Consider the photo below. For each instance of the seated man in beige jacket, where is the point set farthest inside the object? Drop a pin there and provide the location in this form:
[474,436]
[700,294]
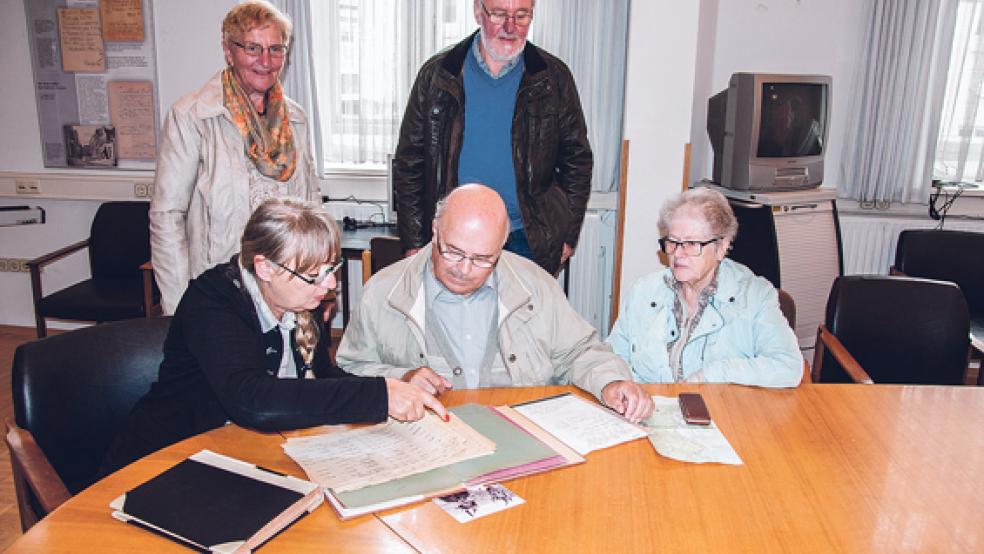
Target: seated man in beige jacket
[462,313]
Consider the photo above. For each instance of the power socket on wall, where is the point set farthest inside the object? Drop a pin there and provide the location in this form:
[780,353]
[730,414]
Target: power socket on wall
[14,265]
[143,190]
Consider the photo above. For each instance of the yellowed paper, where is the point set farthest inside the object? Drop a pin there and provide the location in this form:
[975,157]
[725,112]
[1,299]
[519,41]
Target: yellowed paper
[122,20]
[359,458]
[131,109]
[81,40]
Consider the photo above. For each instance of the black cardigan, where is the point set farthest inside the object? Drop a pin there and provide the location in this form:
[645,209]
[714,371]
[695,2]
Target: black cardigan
[215,369]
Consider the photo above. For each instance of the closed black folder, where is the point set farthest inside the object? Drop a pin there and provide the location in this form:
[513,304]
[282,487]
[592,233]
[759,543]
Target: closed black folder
[218,504]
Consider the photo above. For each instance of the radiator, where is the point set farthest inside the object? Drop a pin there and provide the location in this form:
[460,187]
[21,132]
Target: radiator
[869,240]
[590,288]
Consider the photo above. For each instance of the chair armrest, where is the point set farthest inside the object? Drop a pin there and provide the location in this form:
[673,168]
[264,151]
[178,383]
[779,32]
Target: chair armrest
[147,271]
[826,339]
[31,465]
[366,265]
[46,259]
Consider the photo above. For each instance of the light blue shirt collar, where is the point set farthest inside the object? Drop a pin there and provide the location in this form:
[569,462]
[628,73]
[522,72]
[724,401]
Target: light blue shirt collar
[477,52]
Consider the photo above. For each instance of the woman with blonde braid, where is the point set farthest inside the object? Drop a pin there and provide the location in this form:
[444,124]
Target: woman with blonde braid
[247,344]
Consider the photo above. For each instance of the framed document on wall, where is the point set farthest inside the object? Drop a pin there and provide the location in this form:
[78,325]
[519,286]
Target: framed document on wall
[95,75]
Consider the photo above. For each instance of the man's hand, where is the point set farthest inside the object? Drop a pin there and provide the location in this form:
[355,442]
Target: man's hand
[566,253]
[628,399]
[429,381]
[409,403]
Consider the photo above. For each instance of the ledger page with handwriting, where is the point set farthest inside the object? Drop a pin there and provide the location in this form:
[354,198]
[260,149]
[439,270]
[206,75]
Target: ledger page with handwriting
[580,424]
[351,460]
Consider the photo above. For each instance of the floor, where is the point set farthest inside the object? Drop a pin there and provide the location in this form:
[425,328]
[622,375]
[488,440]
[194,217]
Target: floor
[10,337]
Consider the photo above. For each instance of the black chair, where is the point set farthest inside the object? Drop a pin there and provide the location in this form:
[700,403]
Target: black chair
[72,392]
[382,252]
[956,256]
[121,286]
[892,330]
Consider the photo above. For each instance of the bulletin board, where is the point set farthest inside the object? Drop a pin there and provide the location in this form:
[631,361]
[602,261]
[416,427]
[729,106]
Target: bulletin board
[95,80]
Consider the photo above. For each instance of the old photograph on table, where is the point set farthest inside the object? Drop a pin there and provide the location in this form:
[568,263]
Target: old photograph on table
[480,501]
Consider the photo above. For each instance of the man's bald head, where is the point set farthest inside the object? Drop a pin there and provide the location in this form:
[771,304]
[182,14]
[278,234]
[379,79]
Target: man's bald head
[471,222]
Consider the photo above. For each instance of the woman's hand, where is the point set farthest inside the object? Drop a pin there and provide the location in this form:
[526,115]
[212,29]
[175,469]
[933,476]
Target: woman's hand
[408,402]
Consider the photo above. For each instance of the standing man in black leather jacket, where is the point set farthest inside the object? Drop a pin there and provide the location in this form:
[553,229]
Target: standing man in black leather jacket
[457,129]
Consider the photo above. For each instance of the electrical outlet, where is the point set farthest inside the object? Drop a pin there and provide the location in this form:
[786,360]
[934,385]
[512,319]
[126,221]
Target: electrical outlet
[16,265]
[143,190]
[28,186]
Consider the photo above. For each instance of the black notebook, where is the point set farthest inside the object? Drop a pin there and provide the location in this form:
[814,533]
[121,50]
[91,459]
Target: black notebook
[214,503]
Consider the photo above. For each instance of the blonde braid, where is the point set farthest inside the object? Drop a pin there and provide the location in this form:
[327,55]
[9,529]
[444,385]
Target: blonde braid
[306,336]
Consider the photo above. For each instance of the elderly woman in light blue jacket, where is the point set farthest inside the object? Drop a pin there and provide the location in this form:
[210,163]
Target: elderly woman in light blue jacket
[705,318]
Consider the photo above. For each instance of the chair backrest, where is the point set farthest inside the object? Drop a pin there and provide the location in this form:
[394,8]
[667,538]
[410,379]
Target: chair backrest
[956,256]
[788,307]
[119,240]
[900,329]
[385,251]
[74,390]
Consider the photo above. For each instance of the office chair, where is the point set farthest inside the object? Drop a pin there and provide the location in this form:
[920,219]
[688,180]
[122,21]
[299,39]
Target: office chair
[382,252]
[71,394]
[121,286]
[956,256]
[892,329]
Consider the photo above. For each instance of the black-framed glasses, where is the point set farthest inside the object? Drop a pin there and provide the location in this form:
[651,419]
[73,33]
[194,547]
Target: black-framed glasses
[256,50]
[521,18]
[690,247]
[317,279]
[456,256]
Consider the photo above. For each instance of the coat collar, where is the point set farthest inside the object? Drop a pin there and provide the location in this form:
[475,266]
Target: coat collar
[208,102]
[455,58]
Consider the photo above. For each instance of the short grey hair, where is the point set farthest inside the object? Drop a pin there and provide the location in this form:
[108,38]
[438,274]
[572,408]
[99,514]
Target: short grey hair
[711,204]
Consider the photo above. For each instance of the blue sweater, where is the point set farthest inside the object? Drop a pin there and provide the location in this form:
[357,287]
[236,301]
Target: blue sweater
[486,151]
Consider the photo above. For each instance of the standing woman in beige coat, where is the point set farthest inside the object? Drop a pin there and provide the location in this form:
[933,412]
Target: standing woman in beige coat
[224,149]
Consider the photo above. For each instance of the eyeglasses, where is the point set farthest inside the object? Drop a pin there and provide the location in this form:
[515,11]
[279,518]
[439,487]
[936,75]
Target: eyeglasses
[256,50]
[498,17]
[317,279]
[456,256]
[690,247]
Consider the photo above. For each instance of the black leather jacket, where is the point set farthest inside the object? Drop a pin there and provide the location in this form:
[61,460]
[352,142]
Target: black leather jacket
[551,155]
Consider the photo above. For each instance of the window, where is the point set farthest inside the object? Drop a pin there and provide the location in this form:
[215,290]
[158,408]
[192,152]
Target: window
[960,145]
[367,56]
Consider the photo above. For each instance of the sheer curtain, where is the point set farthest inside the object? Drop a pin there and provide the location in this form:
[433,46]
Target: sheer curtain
[890,150]
[591,37]
[298,80]
[960,148]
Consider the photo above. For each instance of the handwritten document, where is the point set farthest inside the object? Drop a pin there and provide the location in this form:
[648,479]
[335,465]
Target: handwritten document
[131,106]
[354,459]
[81,40]
[122,20]
[673,438]
[584,426]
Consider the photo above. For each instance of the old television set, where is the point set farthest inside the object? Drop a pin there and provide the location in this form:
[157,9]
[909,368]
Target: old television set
[769,131]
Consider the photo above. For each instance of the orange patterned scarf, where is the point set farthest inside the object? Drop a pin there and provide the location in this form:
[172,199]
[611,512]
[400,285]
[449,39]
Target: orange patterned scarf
[269,139]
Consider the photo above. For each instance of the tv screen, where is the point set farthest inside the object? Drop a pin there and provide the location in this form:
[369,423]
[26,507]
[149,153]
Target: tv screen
[793,115]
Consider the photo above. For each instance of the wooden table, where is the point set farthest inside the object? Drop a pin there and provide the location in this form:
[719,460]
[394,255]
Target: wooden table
[827,468]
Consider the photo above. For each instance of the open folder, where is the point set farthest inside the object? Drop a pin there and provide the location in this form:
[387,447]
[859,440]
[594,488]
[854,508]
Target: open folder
[521,448]
[218,504]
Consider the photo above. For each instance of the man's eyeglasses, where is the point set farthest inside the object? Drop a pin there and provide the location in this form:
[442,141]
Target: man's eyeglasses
[456,256]
[256,50]
[521,18]
[689,247]
[315,279]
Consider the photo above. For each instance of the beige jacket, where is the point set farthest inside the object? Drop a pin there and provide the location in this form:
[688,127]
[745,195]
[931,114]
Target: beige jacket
[542,340]
[202,189]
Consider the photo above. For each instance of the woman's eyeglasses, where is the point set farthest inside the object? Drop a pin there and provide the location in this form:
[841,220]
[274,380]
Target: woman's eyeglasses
[313,279]
[689,247]
[256,50]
